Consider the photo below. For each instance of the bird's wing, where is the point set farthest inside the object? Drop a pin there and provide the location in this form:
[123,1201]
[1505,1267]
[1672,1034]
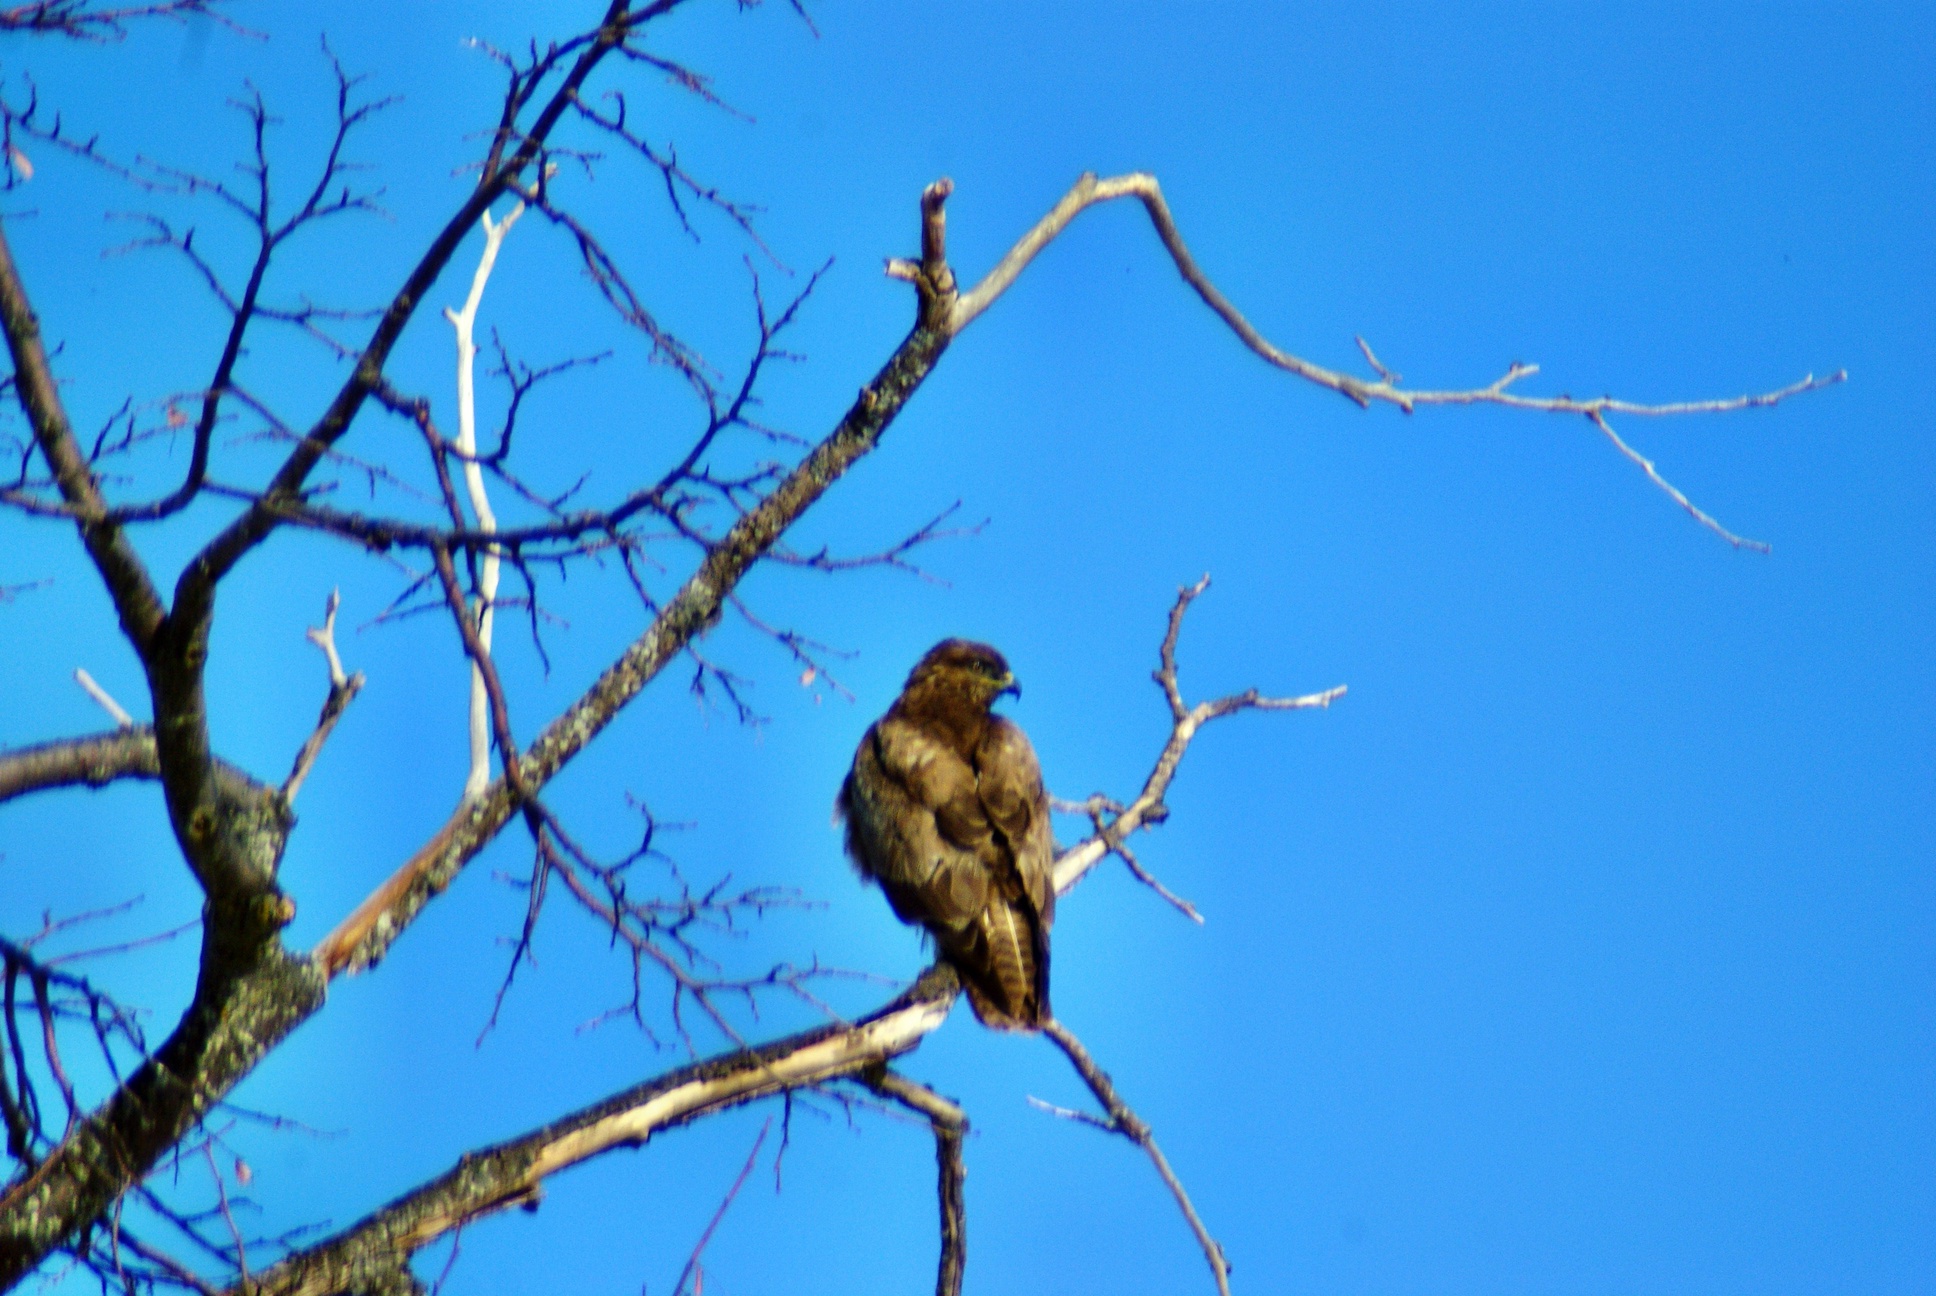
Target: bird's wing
[1014,930]
[1015,802]
[913,824]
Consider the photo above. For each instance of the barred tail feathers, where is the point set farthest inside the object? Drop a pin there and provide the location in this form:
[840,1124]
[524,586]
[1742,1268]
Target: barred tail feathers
[1002,977]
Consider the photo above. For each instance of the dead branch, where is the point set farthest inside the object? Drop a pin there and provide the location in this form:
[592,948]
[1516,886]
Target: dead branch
[513,1173]
[103,699]
[1114,822]
[1123,1120]
[1089,191]
[950,1125]
[342,691]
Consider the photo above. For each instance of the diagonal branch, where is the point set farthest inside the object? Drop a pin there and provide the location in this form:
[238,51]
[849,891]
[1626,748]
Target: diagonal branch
[363,937]
[135,597]
[342,691]
[513,1173]
[1124,1120]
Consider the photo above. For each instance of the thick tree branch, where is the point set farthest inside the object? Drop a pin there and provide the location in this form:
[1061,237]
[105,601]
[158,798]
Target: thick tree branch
[136,600]
[512,1173]
[251,992]
[250,995]
[96,761]
[363,937]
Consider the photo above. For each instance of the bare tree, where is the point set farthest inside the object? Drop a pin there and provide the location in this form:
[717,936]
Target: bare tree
[685,540]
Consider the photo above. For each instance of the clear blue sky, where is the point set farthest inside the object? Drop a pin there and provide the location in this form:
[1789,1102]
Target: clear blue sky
[1588,946]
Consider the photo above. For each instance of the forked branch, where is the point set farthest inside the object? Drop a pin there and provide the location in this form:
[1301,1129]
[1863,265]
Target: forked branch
[1116,822]
[1124,1120]
[950,1125]
[342,691]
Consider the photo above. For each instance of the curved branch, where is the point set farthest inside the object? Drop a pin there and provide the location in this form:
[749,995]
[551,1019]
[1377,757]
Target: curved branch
[1089,191]
[950,1125]
[96,761]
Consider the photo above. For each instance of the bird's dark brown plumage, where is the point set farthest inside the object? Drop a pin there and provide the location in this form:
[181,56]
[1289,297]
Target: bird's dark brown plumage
[946,811]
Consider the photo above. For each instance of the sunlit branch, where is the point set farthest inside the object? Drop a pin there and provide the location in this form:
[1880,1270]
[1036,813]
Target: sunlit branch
[1089,191]
[513,1173]
[1148,807]
[463,323]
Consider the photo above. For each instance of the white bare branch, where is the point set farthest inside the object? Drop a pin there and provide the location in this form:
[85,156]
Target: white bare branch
[463,322]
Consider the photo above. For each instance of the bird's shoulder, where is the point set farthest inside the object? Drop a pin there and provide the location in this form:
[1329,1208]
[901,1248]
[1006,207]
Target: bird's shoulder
[919,757]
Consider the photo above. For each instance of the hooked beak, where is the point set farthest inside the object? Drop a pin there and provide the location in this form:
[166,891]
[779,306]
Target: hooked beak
[1010,685]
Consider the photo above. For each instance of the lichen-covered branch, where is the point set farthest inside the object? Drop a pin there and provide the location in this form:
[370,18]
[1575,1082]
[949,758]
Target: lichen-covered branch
[95,761]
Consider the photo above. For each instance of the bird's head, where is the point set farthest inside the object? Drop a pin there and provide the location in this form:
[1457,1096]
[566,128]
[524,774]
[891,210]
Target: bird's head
[964,668]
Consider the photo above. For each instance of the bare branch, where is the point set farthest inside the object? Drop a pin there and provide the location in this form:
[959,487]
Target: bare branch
[692,1274]
[81,20]
[365,934]
[342,691]
[950,1125]
[103,699]
[463,323]
[127,580]
[1089,191]
[1123,1120]
[94,761]
[512,1173]
[1148,807]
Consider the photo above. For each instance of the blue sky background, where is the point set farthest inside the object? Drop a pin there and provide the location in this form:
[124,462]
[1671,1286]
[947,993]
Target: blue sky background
[1588,946]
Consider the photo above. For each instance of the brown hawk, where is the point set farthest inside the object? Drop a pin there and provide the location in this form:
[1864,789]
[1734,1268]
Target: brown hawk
[946,812]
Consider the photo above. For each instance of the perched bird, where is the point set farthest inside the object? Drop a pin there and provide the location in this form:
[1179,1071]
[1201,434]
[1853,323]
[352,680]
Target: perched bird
[946,812]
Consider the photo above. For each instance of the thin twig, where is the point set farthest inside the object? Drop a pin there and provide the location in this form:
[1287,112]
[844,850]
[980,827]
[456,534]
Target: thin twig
[1148,808]
[342,691]
[104,698]
[1124,1120]
[691,1272]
